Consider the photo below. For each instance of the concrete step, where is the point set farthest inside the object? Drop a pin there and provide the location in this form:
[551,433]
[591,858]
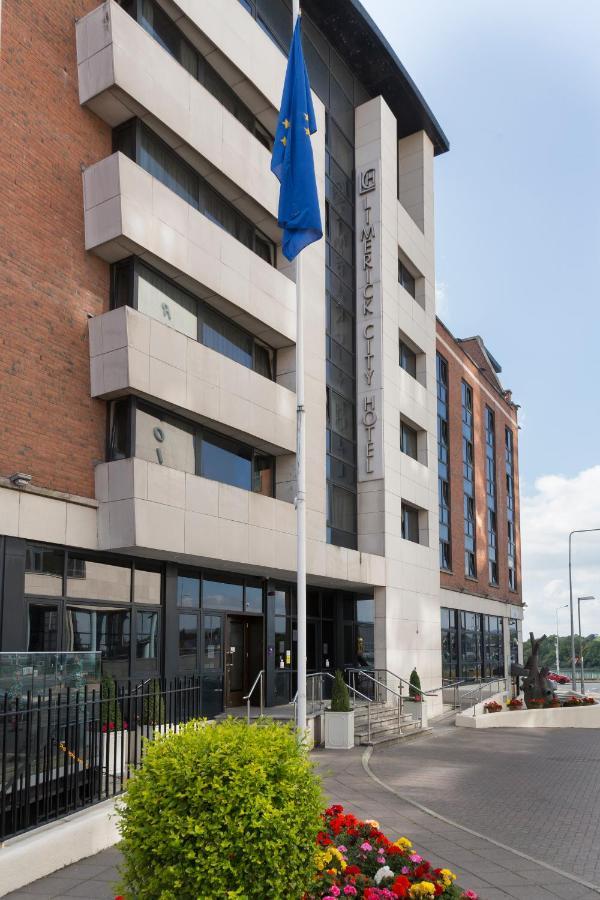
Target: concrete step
[390,722]
[381,729]
[394,737]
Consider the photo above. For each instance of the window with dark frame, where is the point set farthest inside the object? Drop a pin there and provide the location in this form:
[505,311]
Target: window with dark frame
[136,284]
[167,439]
[490,483]
[443,463]
[510,510]
[137,141]
[407,358]
[408,440]
[410,523]
[468,480]
[407,280]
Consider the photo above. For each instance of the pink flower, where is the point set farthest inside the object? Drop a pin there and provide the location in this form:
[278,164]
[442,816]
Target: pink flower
[334,890]
[366,847]
[414,857]
[470,895]
[350,889]
[405,870]
[342,849]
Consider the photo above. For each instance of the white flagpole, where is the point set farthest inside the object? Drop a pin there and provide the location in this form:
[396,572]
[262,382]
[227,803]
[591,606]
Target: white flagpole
[300,485]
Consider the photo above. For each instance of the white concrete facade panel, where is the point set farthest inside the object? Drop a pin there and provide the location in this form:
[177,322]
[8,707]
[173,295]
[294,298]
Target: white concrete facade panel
[132,75]
[128,211]
[147,509]
[132,353]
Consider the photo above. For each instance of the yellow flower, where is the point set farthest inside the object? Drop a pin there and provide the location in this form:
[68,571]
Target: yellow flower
[447,877]
[422,890]
[403,843]
[372,822]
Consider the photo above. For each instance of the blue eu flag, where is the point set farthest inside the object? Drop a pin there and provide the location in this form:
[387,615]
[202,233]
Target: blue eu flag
[292,161]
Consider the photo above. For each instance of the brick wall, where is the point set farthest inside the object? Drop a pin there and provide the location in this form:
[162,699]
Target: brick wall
[49,426]
[461,365]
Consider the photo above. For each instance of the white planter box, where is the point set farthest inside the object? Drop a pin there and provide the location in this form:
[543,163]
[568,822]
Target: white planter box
[339,730]
[116,765]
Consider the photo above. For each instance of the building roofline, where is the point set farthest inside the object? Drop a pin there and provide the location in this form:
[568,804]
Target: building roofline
[353,32]
[496,384]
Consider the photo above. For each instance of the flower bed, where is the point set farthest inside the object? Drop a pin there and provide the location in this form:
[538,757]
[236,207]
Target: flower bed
[354,859]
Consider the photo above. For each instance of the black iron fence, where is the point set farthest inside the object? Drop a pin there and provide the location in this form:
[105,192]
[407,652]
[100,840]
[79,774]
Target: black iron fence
[63,751]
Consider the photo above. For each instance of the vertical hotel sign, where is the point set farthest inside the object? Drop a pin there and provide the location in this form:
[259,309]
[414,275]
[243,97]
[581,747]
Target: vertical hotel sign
[369,343]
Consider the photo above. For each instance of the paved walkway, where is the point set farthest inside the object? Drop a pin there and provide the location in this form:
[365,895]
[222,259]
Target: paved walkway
[535,792]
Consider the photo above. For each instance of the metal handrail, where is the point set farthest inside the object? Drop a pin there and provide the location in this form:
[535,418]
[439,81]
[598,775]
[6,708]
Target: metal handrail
[247,698]
[478,691]
[329,675]
[400,704]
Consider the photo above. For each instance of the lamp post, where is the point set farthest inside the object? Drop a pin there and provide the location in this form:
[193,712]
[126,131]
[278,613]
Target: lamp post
[557,651]
[577,531]
[579,600]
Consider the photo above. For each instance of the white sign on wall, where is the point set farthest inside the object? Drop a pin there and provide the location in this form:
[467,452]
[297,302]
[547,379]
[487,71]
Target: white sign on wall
[369,343]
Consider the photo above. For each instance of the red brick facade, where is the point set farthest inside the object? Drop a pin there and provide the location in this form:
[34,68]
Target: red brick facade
[468,361]
[49,426]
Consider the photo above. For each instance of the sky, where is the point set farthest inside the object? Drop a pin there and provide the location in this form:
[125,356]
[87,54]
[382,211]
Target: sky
[515,85]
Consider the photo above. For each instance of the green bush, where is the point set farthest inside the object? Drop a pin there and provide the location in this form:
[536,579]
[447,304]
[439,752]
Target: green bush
[229,810]
[414,690]
[153,705]
[340,698]
[111,717]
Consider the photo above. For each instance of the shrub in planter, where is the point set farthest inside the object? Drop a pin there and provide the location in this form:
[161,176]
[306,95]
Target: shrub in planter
[221,811]
[111,716]
[515,703]
[414,691]
[340,698]
[492,706]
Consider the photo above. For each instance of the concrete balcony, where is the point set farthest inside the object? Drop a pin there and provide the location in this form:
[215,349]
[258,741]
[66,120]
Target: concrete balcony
[149,509]
[131,353]
[123,72]
[128,211]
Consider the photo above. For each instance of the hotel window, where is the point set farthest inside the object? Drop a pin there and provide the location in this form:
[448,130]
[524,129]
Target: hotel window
[408,358]
[140,144]
[165,32]
[152,293]
[408,440]
[443,463]
[410,523]
[510,509]
[471,645]
[513,630]
[468,479]
[493,646]
[169,440]
[490,489]
[406,279]
[450,656]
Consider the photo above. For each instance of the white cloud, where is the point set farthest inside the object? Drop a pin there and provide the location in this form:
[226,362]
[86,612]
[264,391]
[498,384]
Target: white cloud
[442,305]
[557,506]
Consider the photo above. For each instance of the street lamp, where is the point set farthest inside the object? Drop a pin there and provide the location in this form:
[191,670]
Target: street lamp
[557,653]
[579,599]
[577,531]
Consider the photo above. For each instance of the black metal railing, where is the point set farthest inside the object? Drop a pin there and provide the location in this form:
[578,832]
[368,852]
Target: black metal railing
[63,751]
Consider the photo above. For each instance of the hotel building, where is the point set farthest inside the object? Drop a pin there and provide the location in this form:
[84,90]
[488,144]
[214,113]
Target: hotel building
[147,377]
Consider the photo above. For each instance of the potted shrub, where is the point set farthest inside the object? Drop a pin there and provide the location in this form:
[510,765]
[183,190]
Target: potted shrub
[515,703]
[115,750]
[492,706]
[414,691]
[339,718]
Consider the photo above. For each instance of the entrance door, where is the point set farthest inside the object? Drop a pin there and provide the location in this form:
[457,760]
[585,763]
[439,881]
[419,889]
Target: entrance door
[243,658]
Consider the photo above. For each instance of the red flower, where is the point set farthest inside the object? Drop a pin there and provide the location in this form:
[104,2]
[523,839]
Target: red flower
[400,886]
[439,889]
[352,870]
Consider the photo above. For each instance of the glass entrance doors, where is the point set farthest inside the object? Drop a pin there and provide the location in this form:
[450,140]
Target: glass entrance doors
[243,657]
